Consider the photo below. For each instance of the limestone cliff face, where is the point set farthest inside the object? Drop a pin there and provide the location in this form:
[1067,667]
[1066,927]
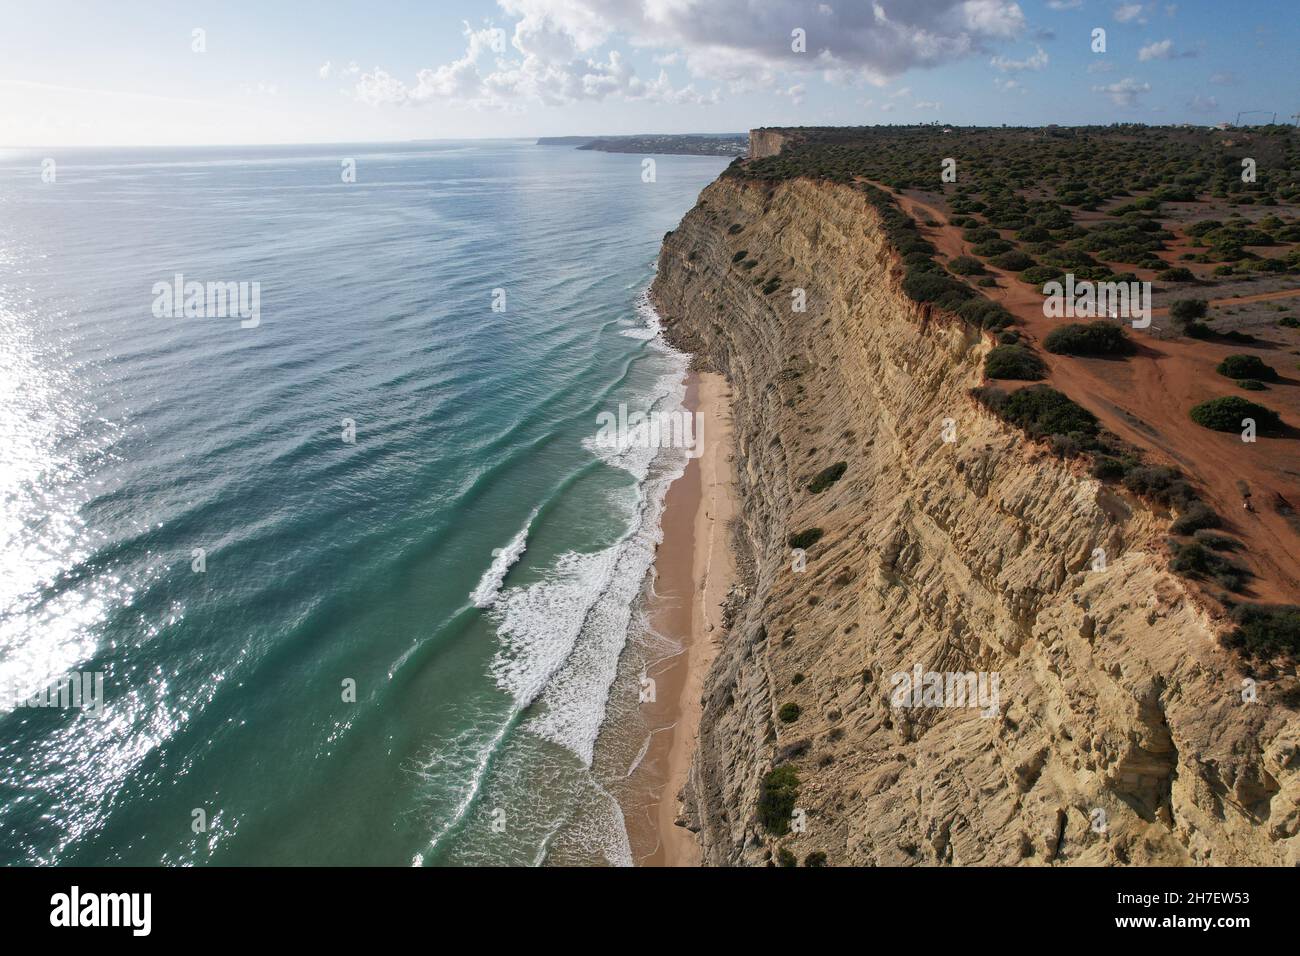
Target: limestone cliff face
[1121,733]
[765,142]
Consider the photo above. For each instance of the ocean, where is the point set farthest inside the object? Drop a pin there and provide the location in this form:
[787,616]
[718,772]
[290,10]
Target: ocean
[359,581]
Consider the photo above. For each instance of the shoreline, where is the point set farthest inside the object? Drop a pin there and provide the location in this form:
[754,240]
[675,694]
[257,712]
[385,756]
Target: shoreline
[694,570]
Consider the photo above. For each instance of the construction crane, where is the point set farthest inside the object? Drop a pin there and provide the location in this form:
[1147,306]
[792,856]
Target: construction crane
[1251,113]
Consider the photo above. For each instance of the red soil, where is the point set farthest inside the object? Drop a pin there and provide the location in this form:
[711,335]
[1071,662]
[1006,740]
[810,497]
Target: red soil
[1145,401]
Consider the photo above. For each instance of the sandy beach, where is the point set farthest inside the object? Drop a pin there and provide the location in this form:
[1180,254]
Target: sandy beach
[694,569]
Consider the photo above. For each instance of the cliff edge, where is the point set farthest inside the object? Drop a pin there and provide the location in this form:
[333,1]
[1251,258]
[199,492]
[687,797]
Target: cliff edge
[1119,730]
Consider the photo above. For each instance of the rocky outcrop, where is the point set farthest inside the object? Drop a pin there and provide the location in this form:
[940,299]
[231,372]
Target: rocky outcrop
[1121,731]
[765,142]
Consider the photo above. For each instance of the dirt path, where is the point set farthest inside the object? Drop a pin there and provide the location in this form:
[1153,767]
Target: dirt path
[1145,401]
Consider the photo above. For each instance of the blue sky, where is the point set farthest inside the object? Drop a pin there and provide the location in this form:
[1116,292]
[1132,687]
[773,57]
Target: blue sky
[281,72]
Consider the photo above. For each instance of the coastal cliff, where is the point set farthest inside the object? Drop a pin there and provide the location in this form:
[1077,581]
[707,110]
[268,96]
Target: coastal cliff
[765,142]
[1123,732]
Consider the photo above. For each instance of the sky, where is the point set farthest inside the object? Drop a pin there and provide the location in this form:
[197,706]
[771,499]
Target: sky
[139,72]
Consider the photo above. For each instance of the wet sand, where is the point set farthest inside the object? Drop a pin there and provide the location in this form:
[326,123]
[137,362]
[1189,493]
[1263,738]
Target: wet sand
[693,571]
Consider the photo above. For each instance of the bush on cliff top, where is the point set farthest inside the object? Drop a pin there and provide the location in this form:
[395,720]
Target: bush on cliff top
[1092,338]
[1265,630]
[1041,411]
[1226,414]
[1013,362]
[1246,366]
[1196,561]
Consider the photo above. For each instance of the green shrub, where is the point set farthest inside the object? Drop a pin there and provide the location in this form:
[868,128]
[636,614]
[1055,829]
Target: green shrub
[1037,275]
[815,858]
[1246,366]
[1266,630]
[1197,516]
[1107,469]
[806,538]
[785,858]
[966,266]
[984,313]
[827,477]
[1013,362]
[1093,338]
[1151,481]
[934,287]
[1217,542]
[1176,274]
[992,247]
[1012,261]
[1044,411]
[1252,385]
[1196,561]
[1226,414]
[789,713]
[1184,310]
[740,255]
[777,795]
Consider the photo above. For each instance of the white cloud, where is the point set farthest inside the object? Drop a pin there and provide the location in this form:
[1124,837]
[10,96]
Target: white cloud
[1203,104]
[1125,92]
[747,45]
[485,78]
[1159,50]
[1065,4]
[1223,79]
[1101,66]
[927,105]
[557,49]
[1162,50]
[796,93]
[1036,62]
[1007,85]
[325,70]
[886,107]
[1129,12]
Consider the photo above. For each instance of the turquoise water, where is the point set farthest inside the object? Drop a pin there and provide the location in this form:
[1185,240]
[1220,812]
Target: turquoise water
[472,561]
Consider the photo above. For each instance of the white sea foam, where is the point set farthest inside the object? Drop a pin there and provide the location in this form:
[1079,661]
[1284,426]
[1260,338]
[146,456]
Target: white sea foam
[562,636]
[489,586]
[651,325]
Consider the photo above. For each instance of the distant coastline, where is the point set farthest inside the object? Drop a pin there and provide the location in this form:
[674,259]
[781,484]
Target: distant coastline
[689,144]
